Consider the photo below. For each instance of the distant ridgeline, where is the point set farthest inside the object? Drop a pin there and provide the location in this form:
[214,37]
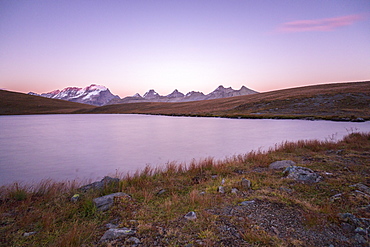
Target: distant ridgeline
[100,95]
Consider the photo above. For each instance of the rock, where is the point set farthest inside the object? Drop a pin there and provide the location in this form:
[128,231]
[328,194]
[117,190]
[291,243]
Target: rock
[234,190]
[347,227]
[133,240]
[247,203]
[221,189]
[336,197]
[281,164]
[105,202]
[115,233]
[360,239]
[245,183]
[362,187]
[111,226]
[27,234]
[302,174]
[360,231]
[353,220]
[99,185]
[287,190]
[191,215]
[161,192]
[75,198]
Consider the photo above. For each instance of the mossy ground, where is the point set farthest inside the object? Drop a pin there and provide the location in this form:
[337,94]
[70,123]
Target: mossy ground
[286,212]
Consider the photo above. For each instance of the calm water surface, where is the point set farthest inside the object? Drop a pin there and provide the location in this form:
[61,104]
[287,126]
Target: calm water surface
[68,147]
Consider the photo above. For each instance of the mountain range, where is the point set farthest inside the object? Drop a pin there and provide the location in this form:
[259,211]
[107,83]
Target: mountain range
[100,95]
[92,95]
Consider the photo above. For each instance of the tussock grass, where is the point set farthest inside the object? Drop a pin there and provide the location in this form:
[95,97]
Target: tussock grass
[160,197]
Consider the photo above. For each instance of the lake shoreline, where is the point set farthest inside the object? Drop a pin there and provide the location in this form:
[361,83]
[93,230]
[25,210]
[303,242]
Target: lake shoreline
[155,203]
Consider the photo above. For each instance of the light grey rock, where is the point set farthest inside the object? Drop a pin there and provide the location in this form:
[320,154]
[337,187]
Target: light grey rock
[27,234]
[360,231]
[110,226]
[221,189]
[302,174]
[133,240]
[105,202]
[161,192]
[234,190]
[115,233]
[245,183]
[281,164]
[191,215]
[99,185]
[362,188]
[247,203]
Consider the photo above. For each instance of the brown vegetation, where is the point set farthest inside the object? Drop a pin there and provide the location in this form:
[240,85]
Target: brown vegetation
[12,103]
[340,101]
[284,213]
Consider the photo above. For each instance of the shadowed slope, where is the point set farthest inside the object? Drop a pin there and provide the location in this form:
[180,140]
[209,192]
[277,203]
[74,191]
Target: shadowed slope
[12,103]
[343,101]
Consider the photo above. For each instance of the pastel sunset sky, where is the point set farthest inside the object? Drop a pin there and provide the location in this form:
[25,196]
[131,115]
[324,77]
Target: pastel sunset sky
[131,46]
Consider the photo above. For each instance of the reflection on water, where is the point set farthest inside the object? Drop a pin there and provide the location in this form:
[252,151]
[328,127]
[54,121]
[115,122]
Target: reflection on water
[67,147]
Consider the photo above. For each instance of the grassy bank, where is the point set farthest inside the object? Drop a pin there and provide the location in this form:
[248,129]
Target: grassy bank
[283,212]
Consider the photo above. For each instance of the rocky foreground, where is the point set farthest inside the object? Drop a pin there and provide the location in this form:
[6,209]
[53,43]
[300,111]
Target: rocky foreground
[308,193]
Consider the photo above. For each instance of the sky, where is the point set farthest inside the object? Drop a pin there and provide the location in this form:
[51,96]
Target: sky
[131,46]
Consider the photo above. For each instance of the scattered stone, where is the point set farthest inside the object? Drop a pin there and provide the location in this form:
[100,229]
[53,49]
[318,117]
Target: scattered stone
[115,233]
[362,187]
[234,190]
[27,234]
[281,164]
[287,190]
[302,174]
[133,240]
[353,220]
[99,185]
[247,203]
[161,192]
[221,189]
[223,181]
[245,183]
[111,226]
[202,193]
[105,202]
[360,231]
[347,227]
[214,176]
[75,198]
[360,239]
[191,215]
[336,197]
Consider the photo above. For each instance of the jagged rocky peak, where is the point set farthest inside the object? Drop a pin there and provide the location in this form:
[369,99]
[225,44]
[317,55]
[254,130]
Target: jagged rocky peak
[136,95]
[151,94]
[175,94]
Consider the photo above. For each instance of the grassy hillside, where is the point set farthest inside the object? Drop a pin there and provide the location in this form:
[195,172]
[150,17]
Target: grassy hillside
[344,101]
[275,211]
[12,103]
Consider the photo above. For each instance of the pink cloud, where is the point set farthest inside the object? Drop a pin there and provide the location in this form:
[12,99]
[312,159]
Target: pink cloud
[327,24]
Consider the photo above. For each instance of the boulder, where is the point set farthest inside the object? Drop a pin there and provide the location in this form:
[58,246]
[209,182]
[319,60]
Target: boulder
[280,164]
[191,215]
[105,202]
[302,174]
[221,189]
[245,183]
[115,233]
[247,203]
[99,185]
